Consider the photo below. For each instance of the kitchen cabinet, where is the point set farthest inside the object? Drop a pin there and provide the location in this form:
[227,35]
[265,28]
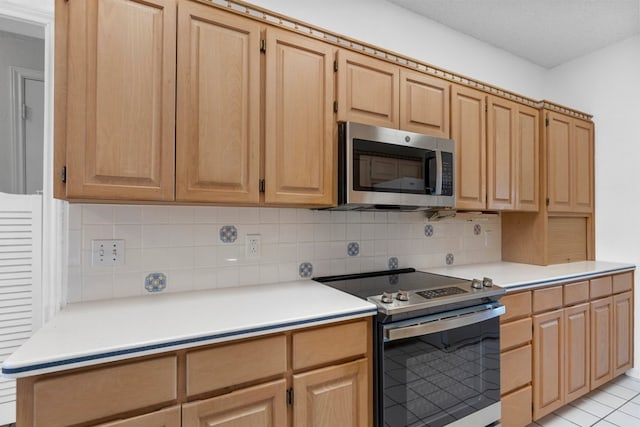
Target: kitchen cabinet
[468,130]
[260,406]
[300,154]
[512,156]
[115,99]
[375,92]
[570,164]
[576,334]
[218,108]
[260,381]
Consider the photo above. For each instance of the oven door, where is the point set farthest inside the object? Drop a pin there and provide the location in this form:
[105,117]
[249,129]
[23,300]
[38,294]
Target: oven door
[440,370]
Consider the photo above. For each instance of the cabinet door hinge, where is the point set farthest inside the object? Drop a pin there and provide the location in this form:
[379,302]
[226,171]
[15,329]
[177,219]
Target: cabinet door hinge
[335,66]
[335,106]
[486,107]
[63,174]
[546,121]
[25,111]
[547,201]
[263,45]
[290,396]
[261,186]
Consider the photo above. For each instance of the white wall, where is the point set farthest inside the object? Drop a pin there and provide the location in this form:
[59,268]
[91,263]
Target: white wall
[391,27]
[17,51]
[605,84]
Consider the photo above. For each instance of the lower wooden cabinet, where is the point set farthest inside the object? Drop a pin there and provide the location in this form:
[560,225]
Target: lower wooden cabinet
[516,408]
[623,333]
[548,362]
[602,342]
[577,351]
[335,396]
[260,406]
[169,417]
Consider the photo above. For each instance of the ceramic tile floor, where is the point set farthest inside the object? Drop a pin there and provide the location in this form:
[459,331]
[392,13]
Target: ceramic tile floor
[616,403]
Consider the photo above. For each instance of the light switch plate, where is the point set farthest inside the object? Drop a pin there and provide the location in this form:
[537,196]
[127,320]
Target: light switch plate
[107,252]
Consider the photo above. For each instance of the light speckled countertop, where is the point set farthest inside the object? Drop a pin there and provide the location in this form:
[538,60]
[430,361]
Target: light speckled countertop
[91,333]
[513,276]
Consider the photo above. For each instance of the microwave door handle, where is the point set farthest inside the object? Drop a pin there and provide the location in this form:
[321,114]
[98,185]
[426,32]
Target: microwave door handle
[442,325]
[438,172]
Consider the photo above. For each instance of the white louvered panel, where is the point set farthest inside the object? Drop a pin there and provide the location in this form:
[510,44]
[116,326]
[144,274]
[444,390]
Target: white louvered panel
[20,282]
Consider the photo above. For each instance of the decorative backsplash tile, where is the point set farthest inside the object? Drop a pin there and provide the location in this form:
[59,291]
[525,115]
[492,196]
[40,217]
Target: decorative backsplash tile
[428,230]
[449,259]
[155,282]
[477,229]
[228,233]
[353,249]
[199,246]
[305,270]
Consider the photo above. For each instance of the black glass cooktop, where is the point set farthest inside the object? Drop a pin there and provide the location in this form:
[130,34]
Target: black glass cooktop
[375,283]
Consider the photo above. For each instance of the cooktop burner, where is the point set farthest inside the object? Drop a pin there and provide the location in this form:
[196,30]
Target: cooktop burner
[398,291]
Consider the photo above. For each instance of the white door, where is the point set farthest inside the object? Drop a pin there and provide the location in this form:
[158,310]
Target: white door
[33,134]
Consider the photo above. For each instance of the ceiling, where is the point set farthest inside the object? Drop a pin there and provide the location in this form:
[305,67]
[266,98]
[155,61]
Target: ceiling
[545,32]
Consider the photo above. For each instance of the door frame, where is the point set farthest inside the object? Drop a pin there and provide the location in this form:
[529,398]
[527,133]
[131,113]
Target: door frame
[16,97]
[54,212]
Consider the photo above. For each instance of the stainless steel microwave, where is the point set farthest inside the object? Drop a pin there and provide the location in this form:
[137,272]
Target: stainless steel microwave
[390,169]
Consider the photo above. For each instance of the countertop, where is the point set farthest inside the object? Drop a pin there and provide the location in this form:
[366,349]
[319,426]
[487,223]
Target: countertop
[514,276]
[91,333]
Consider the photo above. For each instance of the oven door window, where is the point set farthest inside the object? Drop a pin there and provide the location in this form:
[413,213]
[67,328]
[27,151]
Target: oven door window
[393,168]
[436,379]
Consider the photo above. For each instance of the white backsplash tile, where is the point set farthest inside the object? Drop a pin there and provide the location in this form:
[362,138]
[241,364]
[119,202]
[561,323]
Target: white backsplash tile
[183,243]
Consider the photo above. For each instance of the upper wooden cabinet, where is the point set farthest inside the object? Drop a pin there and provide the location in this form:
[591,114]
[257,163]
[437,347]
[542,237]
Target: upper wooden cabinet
[300,157]
[218,106]
[512,156]
[375,92]
[569,143]
[424,104]
[468,130]
[115,99]
[368,90]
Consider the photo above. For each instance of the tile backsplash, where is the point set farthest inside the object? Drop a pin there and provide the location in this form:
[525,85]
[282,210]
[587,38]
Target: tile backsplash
[182,248]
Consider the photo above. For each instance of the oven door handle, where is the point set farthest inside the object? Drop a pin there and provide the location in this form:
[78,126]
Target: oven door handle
[443,324]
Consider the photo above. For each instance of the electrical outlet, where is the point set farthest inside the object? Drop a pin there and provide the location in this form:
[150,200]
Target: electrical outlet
[252,246]
[488,238]
[107,252]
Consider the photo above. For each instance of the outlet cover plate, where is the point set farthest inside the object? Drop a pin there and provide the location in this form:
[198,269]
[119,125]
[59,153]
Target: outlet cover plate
[107,252]
[252,246]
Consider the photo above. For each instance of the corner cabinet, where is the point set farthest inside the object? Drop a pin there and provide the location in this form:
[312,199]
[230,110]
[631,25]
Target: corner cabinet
[291,378]
[115,99]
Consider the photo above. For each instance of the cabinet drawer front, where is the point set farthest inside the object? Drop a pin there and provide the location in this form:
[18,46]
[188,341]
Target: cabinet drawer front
[517,305]
[600,287]
[169,417]
[575,293]
[516,408]
[515,333]
[622,282]
[547,299]
[223,366]
[320,346]
[515,369]
[84,396]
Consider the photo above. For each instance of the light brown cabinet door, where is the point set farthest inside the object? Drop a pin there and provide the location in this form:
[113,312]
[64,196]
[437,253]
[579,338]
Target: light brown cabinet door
[577,351]
[601,341]
[367,90]
[622,333]
[582,166]
[260,406]
[300,151]
[169,417]
[424,104]
[469,133]
[501,145]
[559,155]
[218,106]
[121,99]
[548,362]
[527,155]
[336,396]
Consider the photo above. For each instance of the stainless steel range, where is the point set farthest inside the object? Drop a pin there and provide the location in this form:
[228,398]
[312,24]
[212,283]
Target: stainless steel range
[437,347]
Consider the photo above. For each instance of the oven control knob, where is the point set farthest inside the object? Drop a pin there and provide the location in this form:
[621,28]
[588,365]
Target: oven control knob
[402,295]
[487,282]
[387,297]
[476,284]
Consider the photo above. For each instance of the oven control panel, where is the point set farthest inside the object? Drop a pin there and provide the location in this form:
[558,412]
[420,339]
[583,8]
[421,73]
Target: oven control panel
[441,292]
